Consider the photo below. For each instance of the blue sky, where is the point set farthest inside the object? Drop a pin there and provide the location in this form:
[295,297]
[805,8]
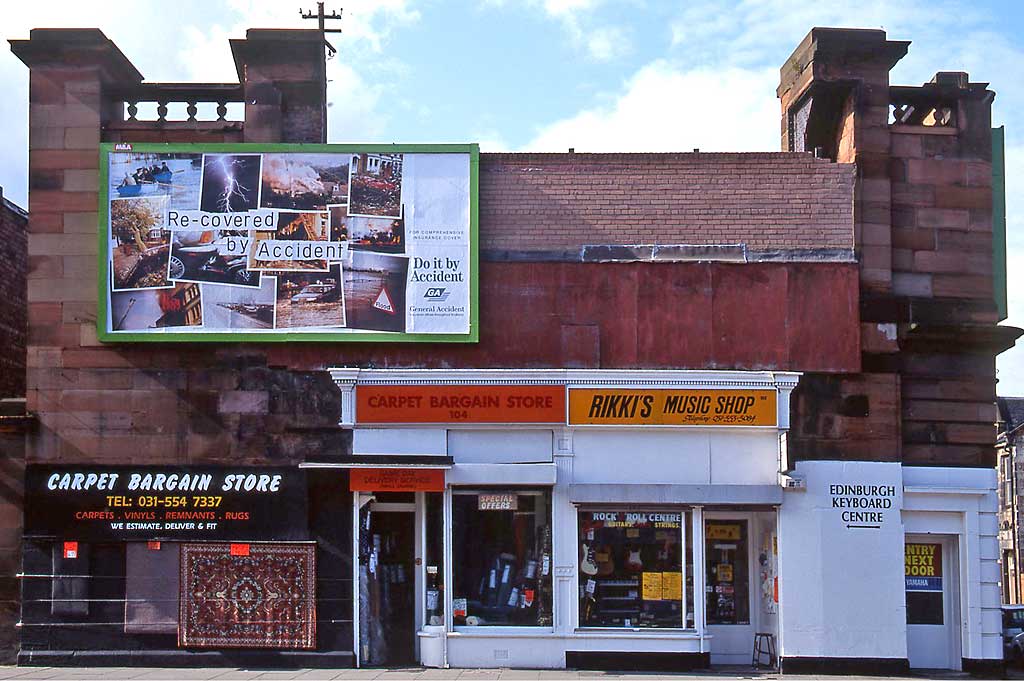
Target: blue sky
[622,75]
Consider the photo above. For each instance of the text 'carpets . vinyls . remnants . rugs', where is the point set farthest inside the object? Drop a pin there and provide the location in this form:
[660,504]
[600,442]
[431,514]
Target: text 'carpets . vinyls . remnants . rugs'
[265,599]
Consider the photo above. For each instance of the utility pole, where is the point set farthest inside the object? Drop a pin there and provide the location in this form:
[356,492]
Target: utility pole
[322,25]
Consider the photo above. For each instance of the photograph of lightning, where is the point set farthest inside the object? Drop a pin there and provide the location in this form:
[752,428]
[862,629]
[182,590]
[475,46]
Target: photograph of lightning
[231,183]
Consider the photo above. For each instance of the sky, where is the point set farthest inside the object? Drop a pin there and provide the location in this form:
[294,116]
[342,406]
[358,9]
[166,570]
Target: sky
[546,75]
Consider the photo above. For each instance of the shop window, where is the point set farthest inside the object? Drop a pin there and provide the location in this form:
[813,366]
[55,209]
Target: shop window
[434,606]
[632,570]
[152,585]
[728,573]
[501,551]
[69,589]
[923,569]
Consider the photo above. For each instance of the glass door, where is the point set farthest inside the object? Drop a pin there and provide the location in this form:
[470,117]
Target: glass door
[932,602]
[386,581]
[729,614]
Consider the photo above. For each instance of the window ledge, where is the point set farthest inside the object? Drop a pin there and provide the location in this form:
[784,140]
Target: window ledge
[501,632]
[681,634]
[899,129]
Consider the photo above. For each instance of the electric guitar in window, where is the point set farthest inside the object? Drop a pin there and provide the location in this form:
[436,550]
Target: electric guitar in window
[588,566]
[633,561]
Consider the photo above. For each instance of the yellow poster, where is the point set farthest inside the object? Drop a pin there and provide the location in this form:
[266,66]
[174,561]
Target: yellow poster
[672,586]
[724,572]
[652,586]
[658,407]
[716,531]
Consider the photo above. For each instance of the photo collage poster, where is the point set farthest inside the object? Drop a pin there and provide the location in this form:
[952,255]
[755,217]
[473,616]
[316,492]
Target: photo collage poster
[288,242]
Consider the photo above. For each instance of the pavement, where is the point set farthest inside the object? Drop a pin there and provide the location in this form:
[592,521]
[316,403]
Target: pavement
[245,674]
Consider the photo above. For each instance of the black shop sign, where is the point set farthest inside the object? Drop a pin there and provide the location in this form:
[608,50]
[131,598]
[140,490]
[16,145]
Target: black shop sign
[133,503]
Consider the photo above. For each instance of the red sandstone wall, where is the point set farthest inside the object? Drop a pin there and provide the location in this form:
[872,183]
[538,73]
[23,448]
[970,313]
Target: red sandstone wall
[13,250]
[923,226]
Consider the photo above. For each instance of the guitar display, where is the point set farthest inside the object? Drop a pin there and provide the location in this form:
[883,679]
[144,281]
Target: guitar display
[630,570]
[633,561]
[588,566]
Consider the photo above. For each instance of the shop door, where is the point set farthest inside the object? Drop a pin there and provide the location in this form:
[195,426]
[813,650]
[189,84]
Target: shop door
[933,613]
[387,592]
[728,599]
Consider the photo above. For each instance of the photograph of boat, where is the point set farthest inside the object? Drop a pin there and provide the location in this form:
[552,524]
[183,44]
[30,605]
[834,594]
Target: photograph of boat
[231,307]
[176,176]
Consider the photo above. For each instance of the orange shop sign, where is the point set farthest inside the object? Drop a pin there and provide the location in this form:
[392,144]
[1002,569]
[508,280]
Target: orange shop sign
[396,480]
[662,407]
[460,404]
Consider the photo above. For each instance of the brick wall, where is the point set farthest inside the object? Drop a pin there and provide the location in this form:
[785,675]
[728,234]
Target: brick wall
[763,200]
[13,257]
[923,227]
[204,403]
[942,218]
[258,403]
[156,405]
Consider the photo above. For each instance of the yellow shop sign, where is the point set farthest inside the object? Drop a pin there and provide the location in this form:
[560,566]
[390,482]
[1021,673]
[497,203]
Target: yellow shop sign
[657,407]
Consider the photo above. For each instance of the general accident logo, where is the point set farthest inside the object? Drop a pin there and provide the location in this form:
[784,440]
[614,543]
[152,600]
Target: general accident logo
[437,294]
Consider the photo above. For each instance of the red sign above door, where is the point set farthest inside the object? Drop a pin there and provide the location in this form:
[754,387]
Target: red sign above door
[396,480]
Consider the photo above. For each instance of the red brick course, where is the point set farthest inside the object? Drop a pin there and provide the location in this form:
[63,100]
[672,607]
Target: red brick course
[763,200]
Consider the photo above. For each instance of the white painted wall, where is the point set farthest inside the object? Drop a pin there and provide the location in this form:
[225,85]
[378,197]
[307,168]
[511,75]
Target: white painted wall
[841,589]
[675,456]
[963,502]
[394,441]
[500,446]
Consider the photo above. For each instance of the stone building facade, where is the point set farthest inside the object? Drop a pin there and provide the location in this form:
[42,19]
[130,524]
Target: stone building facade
[13,260]
[852,274]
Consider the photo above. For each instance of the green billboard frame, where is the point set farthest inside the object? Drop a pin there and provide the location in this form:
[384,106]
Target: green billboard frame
[473,336]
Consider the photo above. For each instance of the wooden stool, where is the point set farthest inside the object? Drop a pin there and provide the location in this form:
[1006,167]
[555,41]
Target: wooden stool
[764,644]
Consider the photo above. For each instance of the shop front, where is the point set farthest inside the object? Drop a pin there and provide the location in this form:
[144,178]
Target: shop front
[564,518]
[184,565]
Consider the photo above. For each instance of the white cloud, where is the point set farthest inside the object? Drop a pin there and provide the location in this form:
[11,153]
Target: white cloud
[1010,364]
[601,42]
[355,112]
[664,108]
[559,8]
[192,41]
[717,92]
[606,43]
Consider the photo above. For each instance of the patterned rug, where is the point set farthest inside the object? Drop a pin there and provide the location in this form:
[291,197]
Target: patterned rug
[264,600]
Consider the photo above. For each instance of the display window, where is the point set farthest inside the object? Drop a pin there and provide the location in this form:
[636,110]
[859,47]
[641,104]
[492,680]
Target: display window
[635,569]
[434,596]
[923,564]
[501,558]
[728,572]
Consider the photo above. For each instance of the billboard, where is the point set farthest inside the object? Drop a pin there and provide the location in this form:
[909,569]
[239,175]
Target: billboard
[229,242]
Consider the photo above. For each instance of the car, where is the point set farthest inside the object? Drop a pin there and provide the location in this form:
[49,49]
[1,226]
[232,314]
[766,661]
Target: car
[1013,633]
[314,293]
